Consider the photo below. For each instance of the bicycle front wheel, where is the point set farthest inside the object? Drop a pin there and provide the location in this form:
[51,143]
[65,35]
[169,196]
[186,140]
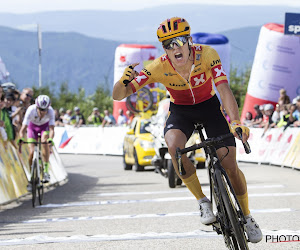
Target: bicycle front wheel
[235,234]
[141,101]
[34,182]
[41,187]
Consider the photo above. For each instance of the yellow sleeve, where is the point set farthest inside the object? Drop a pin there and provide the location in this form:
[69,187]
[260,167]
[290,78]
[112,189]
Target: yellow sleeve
[146,76]
[215,65]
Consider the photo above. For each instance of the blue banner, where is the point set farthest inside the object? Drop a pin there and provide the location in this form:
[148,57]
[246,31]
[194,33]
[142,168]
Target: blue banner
[292,24]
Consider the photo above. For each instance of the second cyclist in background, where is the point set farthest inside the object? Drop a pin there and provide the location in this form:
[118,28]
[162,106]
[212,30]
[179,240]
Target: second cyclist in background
[39,118]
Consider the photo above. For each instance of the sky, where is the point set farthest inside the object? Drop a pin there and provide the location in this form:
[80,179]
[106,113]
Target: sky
[30,6]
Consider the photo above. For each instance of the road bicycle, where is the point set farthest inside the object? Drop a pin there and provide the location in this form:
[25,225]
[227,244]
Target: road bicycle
[37,171]
[230,218]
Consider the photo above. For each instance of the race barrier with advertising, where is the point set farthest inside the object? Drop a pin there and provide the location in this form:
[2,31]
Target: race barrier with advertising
[276,147]
[15,171]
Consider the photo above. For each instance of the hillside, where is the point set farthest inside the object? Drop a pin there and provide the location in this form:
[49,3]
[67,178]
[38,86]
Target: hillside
[85,61]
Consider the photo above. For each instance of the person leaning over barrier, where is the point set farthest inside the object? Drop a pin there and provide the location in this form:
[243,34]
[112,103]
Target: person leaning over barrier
[95,118]
[188,71]
[39,118]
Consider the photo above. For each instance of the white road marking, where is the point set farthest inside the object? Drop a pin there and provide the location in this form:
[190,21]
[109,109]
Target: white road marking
[183,191]
[139,216]
[113,202]
[43,239]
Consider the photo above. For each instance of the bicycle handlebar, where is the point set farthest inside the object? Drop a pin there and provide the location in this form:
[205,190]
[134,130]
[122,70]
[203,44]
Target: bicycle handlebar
[214,141]
[31,142]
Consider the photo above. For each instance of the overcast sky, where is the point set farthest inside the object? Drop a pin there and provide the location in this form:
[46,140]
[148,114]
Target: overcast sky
[28,6]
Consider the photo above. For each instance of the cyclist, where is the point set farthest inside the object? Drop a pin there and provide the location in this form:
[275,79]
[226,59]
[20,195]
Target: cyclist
[189,71]
[39,118]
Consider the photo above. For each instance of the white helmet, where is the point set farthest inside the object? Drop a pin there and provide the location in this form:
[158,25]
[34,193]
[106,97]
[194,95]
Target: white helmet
[43,101]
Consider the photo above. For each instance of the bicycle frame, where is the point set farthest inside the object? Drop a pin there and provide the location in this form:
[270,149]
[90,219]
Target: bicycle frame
[230,218]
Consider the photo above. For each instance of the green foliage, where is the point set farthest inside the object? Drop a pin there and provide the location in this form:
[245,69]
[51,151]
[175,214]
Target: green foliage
[239,85]
[66,99]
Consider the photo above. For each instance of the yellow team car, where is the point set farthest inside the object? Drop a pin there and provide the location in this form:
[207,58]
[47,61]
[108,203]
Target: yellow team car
[138,145]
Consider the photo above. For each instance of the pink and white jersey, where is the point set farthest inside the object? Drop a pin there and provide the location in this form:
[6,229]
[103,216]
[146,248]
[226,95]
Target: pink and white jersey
[32,116]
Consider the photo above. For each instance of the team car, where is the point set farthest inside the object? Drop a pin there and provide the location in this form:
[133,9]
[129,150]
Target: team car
[138,147]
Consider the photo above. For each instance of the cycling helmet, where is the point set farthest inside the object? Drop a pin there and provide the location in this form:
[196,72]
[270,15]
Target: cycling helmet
[43,101]
[173,27]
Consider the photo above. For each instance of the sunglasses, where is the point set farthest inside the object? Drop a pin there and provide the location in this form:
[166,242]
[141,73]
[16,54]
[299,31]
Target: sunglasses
[28,95]
[179,41]
[42,110]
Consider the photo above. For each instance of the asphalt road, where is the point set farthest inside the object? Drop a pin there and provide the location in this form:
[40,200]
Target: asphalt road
[104,207]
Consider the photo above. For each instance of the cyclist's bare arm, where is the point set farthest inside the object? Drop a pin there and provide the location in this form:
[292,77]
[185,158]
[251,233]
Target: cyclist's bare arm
[51,131]
[23,131]
[230,104]
[120,91]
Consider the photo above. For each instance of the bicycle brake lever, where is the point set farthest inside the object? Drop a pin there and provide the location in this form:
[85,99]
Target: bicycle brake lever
[245,144]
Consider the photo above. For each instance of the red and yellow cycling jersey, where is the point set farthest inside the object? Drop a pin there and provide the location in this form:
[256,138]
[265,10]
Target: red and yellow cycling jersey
[207,69]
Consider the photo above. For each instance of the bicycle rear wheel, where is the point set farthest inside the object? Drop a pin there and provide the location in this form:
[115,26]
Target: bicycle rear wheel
[34,182]
[234,235]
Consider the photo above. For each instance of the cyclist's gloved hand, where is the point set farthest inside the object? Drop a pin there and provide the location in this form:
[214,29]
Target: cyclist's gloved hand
[245,130]
[21,140]
[129,74]
[50,141]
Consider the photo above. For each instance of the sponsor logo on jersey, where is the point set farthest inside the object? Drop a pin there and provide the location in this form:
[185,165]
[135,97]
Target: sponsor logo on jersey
[170,74]
[198,47]
[198,56]
[177,85]
[215,62]
[218,71]
[141,78]
[164,58]
[146,71]
[198,80]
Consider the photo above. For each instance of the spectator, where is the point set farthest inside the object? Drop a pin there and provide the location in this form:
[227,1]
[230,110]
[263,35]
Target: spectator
[248,119]
[9,100]
[295,117]
[276,114]
[67,117]
[2,129]
[295,99]
[258,117]
[95,118]
[122,119]
[130,117]
[267,119]
[283,98]
[25,101]
[287,111]
[58,119]
[108,119]
[78,118]
[7,124]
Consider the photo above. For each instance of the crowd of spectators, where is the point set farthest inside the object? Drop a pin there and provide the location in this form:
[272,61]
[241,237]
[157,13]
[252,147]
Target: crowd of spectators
[284,114]
[76,118]
[13,105]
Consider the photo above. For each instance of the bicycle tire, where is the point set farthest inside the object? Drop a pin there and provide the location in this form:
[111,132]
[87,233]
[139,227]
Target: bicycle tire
[238,236]
[34,182]
[41,186]
[144,95]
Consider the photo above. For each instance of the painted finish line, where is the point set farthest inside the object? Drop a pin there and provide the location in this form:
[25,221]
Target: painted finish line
[140,216]
[43,239]
[113,202]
